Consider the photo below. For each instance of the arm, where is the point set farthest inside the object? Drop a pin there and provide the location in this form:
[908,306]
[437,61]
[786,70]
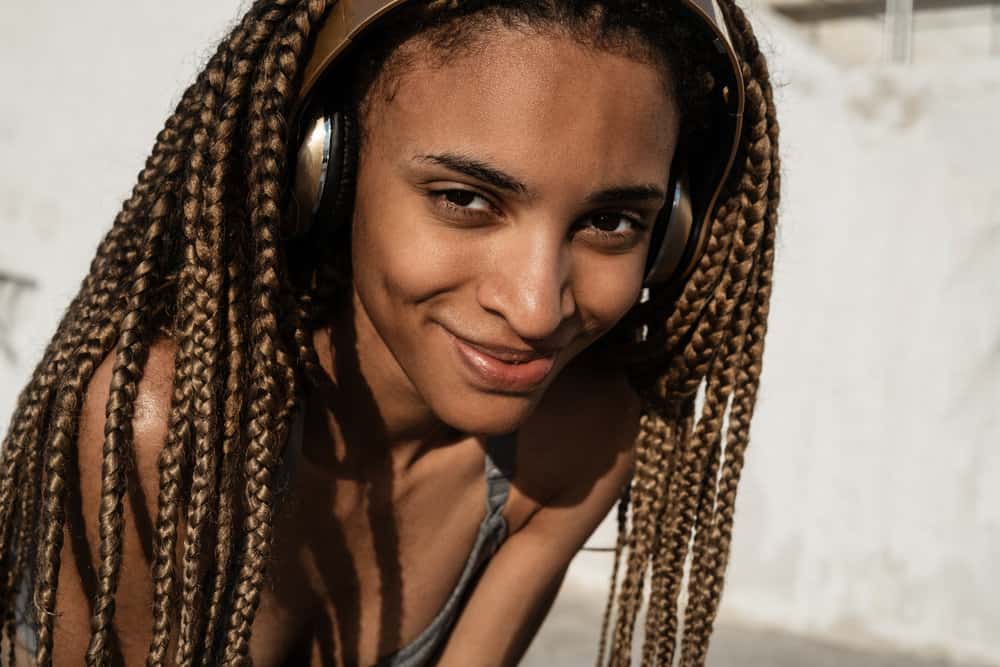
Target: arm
[520,583]
[81,545]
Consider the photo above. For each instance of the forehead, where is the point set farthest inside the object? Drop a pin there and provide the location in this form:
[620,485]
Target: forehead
[543,101]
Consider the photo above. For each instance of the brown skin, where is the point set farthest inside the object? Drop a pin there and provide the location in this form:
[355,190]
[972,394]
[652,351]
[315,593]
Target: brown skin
[527,270]
[389,493]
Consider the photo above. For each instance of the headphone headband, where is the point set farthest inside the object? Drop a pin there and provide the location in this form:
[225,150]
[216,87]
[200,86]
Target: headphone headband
[699,179]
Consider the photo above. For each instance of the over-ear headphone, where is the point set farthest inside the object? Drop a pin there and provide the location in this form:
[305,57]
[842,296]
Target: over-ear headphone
[324,170]
[326,155]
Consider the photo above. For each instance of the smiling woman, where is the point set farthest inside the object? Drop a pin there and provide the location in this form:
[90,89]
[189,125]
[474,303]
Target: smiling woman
[388,262]
[513,246]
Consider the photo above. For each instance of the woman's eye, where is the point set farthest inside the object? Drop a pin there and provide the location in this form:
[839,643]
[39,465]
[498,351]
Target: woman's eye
[615,226]
[464,201]
[612,223]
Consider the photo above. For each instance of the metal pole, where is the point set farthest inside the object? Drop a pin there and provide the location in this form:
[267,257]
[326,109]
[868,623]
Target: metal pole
[898,40]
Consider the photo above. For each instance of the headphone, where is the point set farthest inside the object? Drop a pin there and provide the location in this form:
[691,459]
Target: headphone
[326,157]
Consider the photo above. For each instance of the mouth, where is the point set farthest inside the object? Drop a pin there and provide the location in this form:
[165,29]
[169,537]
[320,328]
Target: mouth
[503,369]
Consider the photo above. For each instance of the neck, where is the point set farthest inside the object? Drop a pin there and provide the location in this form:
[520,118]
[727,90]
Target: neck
[374,407]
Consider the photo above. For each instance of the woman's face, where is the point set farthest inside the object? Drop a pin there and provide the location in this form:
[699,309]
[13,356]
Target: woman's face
[504,205]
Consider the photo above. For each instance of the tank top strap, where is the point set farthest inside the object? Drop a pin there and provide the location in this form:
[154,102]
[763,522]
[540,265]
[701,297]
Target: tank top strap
[501,457]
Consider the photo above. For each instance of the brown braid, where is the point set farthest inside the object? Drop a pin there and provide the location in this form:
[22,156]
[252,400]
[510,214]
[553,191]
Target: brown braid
[200,321]
[230,84]
[233,406]
[268,410]
[129,361]
[724,350]
[751,349]
[202,277]
[195,254]
[171,460]
[622,513]
[80,337]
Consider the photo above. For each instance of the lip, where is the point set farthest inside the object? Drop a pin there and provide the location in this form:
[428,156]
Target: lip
[489,369]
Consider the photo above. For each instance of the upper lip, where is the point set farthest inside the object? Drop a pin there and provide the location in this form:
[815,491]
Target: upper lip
[508,354]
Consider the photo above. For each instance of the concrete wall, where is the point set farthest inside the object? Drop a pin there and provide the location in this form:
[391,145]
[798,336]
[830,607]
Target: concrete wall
[871,504]
[870,507]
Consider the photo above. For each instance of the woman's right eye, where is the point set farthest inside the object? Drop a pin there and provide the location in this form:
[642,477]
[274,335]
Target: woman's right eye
[464,202]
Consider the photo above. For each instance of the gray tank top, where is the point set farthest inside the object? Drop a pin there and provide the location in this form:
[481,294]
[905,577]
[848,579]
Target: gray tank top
[501,455]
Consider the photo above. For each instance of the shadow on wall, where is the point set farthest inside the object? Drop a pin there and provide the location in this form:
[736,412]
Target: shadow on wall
[12,289]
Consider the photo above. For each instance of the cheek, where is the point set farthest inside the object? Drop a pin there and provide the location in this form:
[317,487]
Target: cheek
[399,254]
[605,291]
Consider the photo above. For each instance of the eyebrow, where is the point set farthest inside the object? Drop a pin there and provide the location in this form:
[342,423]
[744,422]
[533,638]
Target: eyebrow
[476,169]
[487,173]
[636,193]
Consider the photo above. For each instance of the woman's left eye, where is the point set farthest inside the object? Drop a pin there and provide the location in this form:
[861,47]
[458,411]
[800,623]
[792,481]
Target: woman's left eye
[615,224]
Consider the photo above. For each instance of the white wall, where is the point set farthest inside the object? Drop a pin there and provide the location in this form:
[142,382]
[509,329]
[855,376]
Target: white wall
[870,507]
[86,88]
[871,503]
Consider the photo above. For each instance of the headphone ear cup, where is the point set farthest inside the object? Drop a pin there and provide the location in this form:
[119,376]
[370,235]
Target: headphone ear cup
[337,201]
[311,163]
[324,170]
[673,235]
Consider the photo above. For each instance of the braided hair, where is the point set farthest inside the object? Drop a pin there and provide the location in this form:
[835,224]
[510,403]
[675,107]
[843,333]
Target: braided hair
[196,255]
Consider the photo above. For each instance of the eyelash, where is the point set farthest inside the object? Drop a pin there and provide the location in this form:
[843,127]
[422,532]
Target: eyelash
[440,200]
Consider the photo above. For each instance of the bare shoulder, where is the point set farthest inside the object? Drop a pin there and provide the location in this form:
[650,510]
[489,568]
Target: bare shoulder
[152,402]
[152,408]
[81,549]
[580,439]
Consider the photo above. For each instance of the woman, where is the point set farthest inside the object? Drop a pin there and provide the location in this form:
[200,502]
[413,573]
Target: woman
[261,429]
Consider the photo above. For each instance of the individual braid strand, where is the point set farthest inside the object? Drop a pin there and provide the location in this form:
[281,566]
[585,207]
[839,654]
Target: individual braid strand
[661,439]
[665,575]
[649,452]
[231,444]
[620,542]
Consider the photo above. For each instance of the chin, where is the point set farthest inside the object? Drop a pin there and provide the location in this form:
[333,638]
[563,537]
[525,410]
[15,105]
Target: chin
[488,414]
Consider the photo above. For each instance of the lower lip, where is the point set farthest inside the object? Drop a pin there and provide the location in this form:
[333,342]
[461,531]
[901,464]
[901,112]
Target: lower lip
[501,375]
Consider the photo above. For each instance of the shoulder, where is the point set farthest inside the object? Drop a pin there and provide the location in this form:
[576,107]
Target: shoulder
[577,448]
[82,548]
[149,420]
[152,406]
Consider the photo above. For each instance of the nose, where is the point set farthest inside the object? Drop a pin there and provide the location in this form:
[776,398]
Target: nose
[528,284]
